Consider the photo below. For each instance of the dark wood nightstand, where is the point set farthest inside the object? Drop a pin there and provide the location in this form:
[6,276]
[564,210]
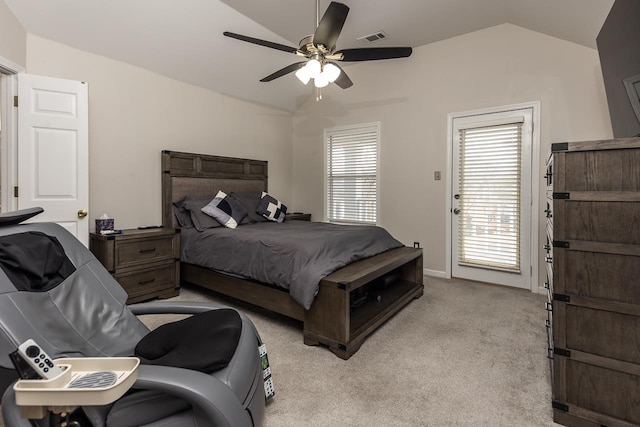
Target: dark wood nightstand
[298,216]
[145,262]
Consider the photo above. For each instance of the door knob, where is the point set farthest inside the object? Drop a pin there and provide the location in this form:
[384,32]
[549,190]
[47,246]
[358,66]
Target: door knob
[456,211]
[82,213]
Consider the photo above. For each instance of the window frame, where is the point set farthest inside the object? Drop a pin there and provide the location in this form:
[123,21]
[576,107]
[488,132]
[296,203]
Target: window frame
[328,132]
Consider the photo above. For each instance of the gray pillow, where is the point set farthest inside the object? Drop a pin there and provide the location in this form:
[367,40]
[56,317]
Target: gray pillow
[183,216]
[201,221]
[250,201]
[226,210]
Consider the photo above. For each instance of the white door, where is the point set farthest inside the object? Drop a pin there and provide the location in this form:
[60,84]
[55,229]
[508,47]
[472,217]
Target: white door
[53,151]
[491,197]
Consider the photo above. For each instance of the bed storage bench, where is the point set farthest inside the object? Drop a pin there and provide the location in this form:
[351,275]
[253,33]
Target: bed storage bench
[367,292]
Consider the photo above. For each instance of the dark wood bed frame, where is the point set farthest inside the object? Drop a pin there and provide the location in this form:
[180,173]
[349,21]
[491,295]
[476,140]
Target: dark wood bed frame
[390,280]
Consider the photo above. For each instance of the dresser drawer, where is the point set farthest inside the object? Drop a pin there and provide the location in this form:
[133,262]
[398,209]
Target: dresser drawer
[605,333]
[150,279]
[134,252]
[608,277]
[595,392]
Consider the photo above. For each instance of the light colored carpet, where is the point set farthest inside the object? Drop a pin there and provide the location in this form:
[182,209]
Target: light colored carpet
[463,354]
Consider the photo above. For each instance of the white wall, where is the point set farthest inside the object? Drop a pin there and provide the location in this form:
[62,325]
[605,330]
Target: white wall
[134,114]
[13,38]
[411,98]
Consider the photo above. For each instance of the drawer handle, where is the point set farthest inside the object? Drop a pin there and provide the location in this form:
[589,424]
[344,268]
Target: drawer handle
[548,306]
[144,282]
[548,259]
[547,324]
[146,251]
[546,285]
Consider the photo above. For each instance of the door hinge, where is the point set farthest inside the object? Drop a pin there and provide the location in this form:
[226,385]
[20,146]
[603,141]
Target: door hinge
[15,101]
[15,191]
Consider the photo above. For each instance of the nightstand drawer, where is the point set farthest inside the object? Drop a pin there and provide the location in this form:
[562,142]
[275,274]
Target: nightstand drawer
[150,279]
[132,252]
[145,262]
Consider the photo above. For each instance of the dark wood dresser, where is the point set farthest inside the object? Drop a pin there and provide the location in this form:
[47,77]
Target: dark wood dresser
[145,262]
[593,264]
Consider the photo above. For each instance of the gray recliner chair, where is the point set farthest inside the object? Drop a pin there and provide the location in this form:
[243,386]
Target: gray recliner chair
[86,316]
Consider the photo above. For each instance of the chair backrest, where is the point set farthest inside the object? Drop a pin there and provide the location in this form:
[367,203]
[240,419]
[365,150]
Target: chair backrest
[85,315]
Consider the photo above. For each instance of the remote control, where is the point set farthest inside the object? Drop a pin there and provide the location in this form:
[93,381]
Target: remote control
[38,359]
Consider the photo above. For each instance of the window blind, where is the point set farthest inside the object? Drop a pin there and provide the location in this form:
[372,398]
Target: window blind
[352,167]
[489,220]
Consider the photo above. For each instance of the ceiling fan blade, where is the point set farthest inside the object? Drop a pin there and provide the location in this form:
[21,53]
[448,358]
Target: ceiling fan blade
[343,80]
[260,42]
[286,70]
[330,25]
[374,53]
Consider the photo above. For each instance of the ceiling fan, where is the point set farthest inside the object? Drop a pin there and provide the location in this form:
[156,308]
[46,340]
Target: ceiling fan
[320,52]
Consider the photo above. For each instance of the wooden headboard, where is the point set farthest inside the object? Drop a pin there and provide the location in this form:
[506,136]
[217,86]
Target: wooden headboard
[202,175]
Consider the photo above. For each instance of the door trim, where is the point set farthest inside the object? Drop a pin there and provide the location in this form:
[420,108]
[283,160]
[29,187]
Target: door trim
[8,139]
[535,183]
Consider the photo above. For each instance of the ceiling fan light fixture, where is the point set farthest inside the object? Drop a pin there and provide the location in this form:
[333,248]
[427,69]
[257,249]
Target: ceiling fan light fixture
[303,75]
[321,80]
[313,68]
[331,72]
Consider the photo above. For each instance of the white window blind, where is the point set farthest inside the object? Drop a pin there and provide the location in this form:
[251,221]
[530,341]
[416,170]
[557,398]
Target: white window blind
[489,225]
[352,168]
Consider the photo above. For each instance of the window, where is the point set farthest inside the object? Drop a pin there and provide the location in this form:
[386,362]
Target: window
[489,227]
[352,173]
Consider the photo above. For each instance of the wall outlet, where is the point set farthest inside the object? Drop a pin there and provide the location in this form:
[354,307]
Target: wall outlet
[437,176]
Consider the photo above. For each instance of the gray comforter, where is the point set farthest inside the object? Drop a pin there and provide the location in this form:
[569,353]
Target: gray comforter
[294,255]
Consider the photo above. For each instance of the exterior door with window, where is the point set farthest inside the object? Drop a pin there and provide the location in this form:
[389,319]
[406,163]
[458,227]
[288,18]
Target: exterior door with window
[491,197]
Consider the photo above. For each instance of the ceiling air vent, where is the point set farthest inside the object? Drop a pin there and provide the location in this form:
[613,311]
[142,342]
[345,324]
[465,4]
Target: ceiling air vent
[372,38]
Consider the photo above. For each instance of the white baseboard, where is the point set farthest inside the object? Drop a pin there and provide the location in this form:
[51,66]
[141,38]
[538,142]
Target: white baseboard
[435,273]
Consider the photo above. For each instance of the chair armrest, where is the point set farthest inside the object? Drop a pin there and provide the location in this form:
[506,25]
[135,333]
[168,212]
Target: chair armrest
[173,307]
[213,402]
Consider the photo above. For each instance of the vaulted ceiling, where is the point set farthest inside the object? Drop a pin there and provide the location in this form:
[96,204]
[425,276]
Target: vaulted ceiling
[183,40]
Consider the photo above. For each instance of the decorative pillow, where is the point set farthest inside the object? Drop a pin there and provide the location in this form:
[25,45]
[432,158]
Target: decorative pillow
[183,216]
[226,210]
[201,221]
[250,201]
[271,208]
